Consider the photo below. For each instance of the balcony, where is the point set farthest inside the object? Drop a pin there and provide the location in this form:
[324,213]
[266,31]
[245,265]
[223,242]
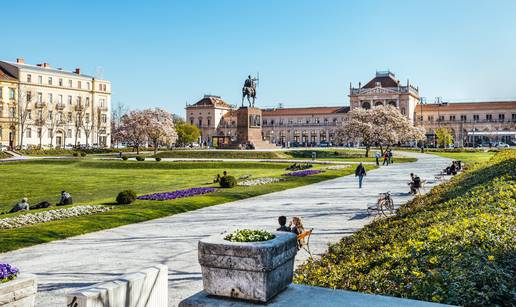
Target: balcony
[40,105]
[60,106]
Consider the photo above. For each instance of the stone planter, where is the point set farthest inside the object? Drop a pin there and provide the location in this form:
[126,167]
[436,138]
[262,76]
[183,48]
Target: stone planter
[20,292]
[255,271]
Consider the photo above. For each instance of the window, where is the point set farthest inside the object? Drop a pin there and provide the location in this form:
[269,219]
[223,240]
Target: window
[39,132]
[28,133]
[40,114]
[87,117]
[209,121]
[29,96]
[403,111]
[79,84]
[79,100]
[513,116]
[104,118]
[101,102]
[60,98]
[40,97]
[87,102]
[13,112]
[49,80]
[100,87]
[501,117]
[1,93]
[60,81]
[50,115]
[50,98]
[489,116]
[78,133]
[191,120]
[88,86]
[476,117]
[430,118]
[69,117]
[441,118]
[40,79]
[463,118]
[29,114]
[29,78]
[70,83]
[69,99]
[50,134]
[11,93]
[69,133]
[452,117]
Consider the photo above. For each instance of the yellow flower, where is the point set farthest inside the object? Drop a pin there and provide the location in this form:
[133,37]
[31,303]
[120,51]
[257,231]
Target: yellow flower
[490,257]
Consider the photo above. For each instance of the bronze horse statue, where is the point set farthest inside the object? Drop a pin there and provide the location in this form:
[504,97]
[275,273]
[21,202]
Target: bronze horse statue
[249,91]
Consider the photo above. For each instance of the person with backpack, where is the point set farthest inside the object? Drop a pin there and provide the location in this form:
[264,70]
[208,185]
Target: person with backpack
[360,172]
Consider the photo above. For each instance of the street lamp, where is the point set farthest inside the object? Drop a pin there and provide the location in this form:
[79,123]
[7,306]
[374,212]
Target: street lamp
[422,101]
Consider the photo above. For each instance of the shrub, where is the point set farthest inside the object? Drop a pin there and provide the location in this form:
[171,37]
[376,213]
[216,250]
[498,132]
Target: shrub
[124,158]
[140,158]
[454,245]
[75,154]
[248,235]
[227,182]
[158,159]
[83,154]
[126,197]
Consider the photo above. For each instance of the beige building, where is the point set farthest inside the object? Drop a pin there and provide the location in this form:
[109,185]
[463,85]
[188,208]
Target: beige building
[57,108]
[470,123]
[8,104]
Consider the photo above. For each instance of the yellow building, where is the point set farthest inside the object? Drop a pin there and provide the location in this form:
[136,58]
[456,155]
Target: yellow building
[8,110]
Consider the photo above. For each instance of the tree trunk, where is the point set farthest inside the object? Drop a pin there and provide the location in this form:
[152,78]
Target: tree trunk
[137,149]
[381,149]
[367,150]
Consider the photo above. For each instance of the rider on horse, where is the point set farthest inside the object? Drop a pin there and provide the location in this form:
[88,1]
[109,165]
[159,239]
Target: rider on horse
[249,91]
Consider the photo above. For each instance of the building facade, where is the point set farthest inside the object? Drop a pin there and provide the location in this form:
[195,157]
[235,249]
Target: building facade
[56,108]
[8,106]
[469,123]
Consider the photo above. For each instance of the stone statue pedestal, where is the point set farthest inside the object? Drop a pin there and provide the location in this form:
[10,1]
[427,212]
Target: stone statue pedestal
[249,125]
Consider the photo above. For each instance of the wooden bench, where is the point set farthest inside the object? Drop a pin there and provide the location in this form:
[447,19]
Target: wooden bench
[301,240]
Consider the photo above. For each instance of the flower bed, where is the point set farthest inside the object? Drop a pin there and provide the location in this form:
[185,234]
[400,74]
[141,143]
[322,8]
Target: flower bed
[248,235]
[176,194]
[303,173]
[338,167]
[50,215]
[259,181]
[454,245]
[7,272]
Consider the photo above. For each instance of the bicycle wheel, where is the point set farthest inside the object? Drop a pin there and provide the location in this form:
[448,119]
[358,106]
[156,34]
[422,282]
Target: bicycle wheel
[382,206]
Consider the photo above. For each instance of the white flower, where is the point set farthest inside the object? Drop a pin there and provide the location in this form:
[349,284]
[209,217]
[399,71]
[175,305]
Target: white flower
[50,215]
[337,167]
[259,181]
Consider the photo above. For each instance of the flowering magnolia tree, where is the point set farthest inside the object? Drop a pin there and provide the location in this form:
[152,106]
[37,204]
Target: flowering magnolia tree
[132,129]
[381,126]
[160,127]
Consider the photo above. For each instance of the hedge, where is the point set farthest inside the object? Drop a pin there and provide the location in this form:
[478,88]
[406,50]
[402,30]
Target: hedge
[455,245]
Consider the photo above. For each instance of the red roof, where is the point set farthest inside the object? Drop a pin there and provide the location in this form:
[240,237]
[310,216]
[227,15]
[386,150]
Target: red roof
[214,101]
[384,80]
[459,106]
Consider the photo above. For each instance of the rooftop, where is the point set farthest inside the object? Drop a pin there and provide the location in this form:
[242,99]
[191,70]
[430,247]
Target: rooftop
[211,101]
[458,106]
[45,67]
[5,75]
[304,111]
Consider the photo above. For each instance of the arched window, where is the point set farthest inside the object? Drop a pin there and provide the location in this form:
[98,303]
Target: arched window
[403,111]
[392,103]
[366,105]
[378,103]
[200,121]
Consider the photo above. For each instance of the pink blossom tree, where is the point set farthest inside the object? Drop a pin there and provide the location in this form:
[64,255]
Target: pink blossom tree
[159,127]
[133,129]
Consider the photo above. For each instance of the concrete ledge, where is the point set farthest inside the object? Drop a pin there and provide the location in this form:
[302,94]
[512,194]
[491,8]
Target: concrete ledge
[306,296]
[19,292]
[147,288]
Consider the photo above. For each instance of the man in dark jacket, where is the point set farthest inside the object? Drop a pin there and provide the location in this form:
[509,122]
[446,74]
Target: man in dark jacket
[360,173]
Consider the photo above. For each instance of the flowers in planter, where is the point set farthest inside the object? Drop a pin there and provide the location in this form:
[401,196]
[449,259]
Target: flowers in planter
[50,215]
[176,194]
[303,173]
[248,235]
[7,272]
[259,181]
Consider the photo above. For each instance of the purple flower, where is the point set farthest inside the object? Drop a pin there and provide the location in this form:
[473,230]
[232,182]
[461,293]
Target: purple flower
[176,194]
[303,173]
[7,272]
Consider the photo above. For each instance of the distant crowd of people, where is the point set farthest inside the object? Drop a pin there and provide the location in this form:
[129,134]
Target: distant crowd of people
[64,199]
[387,157]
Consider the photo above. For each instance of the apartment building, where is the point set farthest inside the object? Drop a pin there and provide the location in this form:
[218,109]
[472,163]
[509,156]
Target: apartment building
[57,108]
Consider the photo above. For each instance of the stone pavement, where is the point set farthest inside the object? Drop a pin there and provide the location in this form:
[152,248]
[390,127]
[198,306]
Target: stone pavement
[334,208]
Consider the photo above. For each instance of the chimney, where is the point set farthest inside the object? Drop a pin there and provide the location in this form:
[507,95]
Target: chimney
[78,71]
[20,60]
[46,65]
[39,65]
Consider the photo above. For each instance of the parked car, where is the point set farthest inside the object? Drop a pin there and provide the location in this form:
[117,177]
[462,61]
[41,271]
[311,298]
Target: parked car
[324,144]
[502,145]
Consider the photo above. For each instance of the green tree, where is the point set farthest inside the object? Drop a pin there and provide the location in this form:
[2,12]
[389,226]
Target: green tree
[187,133]
[444,137]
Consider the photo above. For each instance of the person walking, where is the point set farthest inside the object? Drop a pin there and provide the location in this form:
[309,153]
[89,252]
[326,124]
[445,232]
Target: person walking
[385,158]
[360,173]
[389,155]
[377,156]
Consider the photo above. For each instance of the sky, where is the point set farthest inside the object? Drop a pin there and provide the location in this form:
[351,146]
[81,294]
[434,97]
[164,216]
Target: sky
[169,53]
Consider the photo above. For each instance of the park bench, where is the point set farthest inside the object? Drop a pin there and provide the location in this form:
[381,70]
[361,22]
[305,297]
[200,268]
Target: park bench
[301,241]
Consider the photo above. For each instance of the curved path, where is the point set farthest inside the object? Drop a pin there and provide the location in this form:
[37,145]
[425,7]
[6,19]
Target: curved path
[335,208]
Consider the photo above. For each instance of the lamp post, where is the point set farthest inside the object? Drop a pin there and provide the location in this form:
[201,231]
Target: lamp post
[421,102]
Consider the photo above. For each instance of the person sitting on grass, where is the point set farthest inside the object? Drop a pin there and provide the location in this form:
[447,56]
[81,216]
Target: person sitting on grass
[22,205]
[41,205]
[282,220]
[217,179]
[66,199]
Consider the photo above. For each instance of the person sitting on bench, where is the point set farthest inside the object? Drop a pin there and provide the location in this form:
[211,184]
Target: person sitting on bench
[282,220]
[66,199]
[415,183]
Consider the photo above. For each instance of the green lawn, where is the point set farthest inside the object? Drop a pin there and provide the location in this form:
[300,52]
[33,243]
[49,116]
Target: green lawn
[98,182]
[466,157]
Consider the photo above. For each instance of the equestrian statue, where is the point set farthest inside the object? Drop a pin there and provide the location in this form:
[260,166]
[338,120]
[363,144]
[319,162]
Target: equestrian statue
[249,91]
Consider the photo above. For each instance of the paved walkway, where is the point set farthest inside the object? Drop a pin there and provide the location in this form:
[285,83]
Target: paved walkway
[335,208]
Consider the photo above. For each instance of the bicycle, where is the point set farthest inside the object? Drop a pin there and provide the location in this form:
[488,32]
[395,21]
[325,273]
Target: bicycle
[384,203]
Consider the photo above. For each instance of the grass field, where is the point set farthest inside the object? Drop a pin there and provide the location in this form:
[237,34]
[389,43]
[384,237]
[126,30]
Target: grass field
[466,157]
[98,182]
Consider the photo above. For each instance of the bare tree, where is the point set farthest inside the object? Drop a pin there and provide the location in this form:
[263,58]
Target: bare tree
[116,120]
[78,120]
[54,121]
[25,97]
[88,125]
